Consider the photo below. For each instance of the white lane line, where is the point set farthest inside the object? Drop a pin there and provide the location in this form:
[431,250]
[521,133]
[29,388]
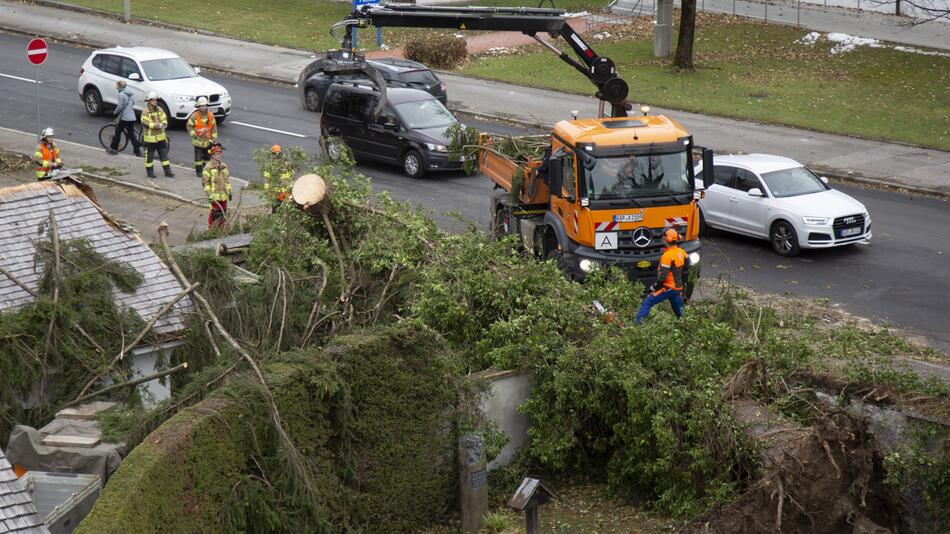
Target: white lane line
[18,78]
[267,129]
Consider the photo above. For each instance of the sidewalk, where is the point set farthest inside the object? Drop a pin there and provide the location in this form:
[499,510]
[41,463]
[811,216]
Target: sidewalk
[872,161]
[127,170]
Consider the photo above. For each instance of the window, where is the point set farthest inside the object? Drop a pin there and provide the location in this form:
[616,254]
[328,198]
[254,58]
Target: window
[172,68]
[108,63]
[793,182]
[128,67]
[425,114]
[388,116]
[640,175]
[359,106]
[422,77]
[567,175]
[724,175]
[746,181]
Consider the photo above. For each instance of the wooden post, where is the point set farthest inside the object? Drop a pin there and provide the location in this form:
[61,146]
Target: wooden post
[531,521]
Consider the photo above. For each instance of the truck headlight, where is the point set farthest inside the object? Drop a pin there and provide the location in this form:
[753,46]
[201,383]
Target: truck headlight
[815,220]
[588,265]
[436,148]
[694,258]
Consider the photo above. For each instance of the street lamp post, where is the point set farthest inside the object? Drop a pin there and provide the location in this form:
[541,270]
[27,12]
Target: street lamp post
[127,10]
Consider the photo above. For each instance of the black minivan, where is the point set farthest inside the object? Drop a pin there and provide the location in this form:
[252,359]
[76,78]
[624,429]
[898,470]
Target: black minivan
[409,132]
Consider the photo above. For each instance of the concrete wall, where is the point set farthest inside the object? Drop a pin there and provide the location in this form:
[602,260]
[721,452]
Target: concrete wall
[507,391]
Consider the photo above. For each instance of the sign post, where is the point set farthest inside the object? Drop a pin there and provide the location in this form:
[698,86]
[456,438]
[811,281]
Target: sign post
[36,52]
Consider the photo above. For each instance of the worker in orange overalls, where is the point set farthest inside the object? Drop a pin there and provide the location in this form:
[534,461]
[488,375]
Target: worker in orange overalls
[278,172]
[46,155]
[203,129]
[669,278]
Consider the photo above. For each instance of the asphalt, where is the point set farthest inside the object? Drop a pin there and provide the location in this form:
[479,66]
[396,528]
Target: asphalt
[912,167]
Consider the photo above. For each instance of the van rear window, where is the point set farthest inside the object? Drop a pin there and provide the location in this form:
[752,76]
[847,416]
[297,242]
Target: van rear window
[424,77]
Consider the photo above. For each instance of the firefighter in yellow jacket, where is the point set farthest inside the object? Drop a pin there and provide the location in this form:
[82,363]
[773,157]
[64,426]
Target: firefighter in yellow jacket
[217,185]
[278,173]
[46,155]
[154,124]
[203,129]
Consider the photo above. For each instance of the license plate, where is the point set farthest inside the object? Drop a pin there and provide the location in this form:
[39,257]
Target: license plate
[630,217]
[851,231]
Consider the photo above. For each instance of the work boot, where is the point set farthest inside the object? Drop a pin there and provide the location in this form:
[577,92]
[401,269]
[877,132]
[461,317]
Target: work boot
[199,171]
[138,152]
[150,172]
[168,172]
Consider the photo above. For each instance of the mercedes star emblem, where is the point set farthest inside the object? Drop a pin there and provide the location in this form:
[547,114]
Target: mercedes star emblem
[642,237]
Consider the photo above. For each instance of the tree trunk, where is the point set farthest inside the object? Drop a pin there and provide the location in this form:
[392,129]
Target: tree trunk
[684,43]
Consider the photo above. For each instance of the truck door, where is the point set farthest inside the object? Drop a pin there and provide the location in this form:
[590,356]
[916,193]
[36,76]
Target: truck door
[562,202]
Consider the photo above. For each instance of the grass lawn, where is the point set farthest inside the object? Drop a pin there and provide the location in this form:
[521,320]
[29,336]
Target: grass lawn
[757,71]
[301,24]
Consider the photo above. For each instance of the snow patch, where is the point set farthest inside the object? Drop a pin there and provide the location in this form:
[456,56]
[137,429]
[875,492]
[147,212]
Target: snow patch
[845,43]
[602,35]
[577,15]
[500,51]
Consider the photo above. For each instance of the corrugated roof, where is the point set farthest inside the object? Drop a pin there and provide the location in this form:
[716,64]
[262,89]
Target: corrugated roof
[24,221]
[17,511]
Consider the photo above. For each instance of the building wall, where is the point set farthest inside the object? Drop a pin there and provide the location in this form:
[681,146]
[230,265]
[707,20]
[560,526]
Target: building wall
[507,391]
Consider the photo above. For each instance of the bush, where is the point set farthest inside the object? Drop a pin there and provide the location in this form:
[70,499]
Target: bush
[437,51]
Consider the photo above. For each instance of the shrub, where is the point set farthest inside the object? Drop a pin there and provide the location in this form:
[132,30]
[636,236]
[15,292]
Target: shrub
[437,51]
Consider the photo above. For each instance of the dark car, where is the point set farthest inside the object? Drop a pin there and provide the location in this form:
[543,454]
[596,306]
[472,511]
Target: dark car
[409,131]
[397,73]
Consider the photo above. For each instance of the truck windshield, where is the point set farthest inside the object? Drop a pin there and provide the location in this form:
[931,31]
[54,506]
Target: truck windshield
[640,175]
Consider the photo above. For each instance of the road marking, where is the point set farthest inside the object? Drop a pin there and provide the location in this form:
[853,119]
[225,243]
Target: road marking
[18,78]
[268,129]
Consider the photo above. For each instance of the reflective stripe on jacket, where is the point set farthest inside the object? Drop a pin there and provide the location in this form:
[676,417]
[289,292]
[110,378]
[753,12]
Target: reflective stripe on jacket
[670,271]
[45,156]
[152,120]
[216,181]
[202,129]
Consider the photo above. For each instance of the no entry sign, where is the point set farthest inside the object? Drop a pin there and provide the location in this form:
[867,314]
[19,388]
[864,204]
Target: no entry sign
[36,51]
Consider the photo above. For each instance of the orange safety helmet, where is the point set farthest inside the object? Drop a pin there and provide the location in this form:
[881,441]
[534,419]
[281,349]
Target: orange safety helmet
[276,149]
[670,236]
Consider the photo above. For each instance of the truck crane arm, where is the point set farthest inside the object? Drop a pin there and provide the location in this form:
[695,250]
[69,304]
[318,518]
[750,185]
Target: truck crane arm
[600,70]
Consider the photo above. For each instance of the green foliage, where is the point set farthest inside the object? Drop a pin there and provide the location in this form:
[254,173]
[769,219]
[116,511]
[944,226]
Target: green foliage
[437,51]
[278,171]
[30,349]
[924,466]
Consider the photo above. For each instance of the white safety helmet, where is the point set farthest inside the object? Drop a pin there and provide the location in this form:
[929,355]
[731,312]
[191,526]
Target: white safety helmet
[152,95]
[202,101]
[47,132]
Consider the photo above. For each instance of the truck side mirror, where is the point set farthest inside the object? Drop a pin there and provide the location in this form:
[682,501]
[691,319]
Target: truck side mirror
[709,176]
[555,178]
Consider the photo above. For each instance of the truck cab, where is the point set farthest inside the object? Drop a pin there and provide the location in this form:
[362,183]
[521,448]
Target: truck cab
[612,187]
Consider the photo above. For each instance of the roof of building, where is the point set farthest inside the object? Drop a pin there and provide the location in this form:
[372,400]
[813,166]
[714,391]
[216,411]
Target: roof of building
[24,221]
[17,511]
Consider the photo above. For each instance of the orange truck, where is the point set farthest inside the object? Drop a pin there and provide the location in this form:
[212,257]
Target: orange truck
[612,186]
[607,187]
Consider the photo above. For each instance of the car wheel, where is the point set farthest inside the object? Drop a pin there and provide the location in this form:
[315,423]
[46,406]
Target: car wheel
[220,120]
[167,114]
[412,164]
[312,100]
[784,239]
[703,227]
[92,99]
[334,149]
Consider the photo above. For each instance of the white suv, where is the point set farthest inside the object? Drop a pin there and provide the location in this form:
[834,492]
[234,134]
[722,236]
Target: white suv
[148,69]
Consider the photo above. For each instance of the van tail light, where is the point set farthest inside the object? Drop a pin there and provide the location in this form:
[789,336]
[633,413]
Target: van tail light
[81,70]
[442,86]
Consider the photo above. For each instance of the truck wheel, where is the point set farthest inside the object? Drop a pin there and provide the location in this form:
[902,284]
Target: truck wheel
[412,164]
[500,219]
